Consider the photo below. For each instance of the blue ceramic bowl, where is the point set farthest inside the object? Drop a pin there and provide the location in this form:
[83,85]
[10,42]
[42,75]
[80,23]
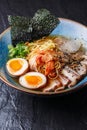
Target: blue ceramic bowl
[66,28]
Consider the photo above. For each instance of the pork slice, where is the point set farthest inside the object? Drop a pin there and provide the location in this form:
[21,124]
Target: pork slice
[64,80]
[72,75]
[81,69]
[52,85]
[59,88]
[84,56]
[84,61]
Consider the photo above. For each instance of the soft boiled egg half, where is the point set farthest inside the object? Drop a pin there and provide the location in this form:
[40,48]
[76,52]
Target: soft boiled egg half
[33,80]
[17,66]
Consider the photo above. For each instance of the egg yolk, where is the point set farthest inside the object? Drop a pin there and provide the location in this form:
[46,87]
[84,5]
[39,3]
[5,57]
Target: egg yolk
[16,65]
[33,80]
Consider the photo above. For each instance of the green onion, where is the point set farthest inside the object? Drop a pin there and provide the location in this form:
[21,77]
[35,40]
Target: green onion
[21,50]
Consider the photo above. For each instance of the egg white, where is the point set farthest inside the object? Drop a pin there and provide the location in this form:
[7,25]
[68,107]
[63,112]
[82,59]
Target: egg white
[21,71]
[24,83]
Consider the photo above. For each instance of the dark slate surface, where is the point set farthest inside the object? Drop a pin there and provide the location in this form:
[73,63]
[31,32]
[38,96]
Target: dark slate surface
[21,111]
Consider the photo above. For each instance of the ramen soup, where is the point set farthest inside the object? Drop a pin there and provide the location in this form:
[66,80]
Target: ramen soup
[51,64]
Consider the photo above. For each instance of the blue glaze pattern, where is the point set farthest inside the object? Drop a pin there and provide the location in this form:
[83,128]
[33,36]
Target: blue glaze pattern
[66,28]
[5,40]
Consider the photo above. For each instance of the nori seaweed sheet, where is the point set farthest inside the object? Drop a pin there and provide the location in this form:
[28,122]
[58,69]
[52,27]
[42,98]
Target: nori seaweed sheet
[29,29]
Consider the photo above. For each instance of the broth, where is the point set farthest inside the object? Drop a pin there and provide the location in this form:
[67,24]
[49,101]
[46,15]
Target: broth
[62,60]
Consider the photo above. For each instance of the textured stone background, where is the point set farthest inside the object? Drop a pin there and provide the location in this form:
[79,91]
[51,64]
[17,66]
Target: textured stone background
[20,111]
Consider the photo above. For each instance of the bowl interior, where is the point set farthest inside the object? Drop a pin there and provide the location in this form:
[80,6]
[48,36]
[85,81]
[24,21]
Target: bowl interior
[66,28]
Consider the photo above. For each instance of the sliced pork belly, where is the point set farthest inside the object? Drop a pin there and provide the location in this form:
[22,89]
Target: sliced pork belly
[52,85]
[64,80]
[85,57]
[81,69]
[59,88]
[72,75]
[56,84]
[84,62]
